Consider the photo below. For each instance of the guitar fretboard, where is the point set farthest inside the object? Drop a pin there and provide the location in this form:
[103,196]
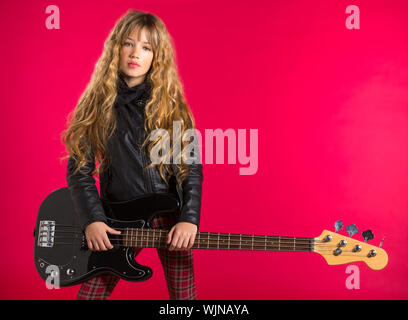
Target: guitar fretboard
[155,238]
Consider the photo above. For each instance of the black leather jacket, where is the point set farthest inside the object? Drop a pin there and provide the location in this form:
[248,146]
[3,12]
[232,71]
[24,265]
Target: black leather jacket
[125,178]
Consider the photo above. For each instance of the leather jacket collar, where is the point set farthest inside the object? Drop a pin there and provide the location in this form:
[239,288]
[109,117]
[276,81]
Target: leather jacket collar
[128,94]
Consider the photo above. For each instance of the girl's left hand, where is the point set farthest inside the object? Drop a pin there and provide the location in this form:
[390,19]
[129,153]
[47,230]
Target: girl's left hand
[182,236]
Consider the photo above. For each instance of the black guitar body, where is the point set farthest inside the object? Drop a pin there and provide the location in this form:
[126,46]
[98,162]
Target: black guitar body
[61,254]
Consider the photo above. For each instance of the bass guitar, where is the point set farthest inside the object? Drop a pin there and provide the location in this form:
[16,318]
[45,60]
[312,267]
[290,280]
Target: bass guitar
[61,253]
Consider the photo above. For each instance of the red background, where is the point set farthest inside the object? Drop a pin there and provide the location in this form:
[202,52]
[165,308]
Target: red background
[330,105]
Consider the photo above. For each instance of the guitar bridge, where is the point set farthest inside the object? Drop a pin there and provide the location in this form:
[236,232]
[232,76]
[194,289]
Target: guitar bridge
[46,234]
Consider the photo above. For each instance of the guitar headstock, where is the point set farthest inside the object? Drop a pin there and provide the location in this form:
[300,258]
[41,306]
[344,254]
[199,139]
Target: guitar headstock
[340,249]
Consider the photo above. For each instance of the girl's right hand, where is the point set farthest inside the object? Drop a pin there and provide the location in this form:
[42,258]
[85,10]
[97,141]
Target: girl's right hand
[97,237]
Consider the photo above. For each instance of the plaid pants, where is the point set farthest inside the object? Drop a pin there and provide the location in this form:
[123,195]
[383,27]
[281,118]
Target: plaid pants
[177,267]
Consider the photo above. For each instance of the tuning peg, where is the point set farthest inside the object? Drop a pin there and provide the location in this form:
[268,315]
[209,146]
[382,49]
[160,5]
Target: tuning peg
[382,241]
[352,230]
[338,225]
[367,235]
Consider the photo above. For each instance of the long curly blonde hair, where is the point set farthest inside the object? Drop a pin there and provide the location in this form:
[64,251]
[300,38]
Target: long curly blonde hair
[93,121]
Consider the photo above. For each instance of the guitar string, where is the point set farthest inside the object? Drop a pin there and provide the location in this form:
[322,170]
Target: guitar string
[261,248]
[211,233]
[145,230]
[248,247]
[216,243]
[297,241]
[148,232]
[282,244]
[232,242]
[149,235]
[289,248]
[300,246]
[255,247]
[152,237]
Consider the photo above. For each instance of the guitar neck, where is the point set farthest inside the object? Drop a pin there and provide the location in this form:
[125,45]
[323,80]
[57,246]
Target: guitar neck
[156,238]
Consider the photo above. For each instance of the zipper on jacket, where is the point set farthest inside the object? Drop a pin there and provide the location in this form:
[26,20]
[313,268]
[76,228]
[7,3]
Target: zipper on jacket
[148,181]
[146,174]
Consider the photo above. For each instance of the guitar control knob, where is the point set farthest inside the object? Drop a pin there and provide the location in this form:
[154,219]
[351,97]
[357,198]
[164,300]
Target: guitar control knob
[342,243]
[337,251]
[70,272]
[328,238]
[372,253]
[357,248]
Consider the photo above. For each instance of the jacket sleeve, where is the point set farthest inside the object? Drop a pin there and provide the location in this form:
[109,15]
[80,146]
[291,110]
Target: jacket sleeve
[192,190]
[84,193]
